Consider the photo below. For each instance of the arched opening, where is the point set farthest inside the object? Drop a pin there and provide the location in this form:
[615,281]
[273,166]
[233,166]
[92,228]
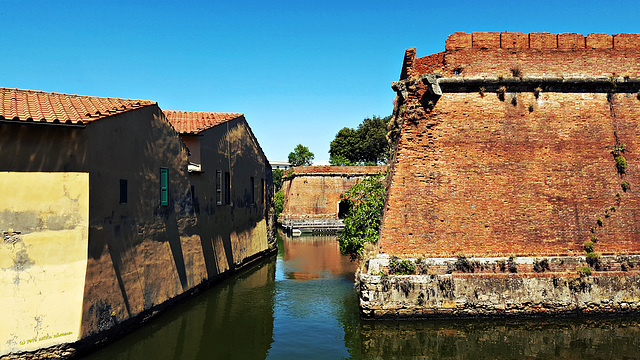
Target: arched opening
[343,208]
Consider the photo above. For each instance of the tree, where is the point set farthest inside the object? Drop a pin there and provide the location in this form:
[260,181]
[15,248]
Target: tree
[301,156]
[366,145]
[278,200]
[362,223]
[277,179]
[344,148]
[374,147]
[340,161]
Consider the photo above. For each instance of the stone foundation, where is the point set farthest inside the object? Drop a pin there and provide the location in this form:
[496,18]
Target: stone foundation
[476,287]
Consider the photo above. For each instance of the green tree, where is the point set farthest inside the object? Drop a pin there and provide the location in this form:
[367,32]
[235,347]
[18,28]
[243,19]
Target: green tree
[374,147]
[362,223]
[277,179]
[343,150]
[301,156]
[340,161]
[278,200]
[366,145]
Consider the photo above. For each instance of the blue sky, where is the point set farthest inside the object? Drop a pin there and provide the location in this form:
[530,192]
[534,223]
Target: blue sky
[299,70]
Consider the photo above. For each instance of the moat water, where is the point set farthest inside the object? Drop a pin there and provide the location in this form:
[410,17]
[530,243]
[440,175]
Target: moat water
[302,305]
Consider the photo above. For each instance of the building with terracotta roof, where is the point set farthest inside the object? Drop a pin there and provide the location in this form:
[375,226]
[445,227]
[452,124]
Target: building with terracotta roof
[230,177]
[102,222]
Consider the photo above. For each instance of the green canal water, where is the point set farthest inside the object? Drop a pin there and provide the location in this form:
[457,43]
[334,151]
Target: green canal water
[302,305]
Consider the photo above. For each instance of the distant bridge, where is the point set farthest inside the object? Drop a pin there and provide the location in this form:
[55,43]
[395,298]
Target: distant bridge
[313,226]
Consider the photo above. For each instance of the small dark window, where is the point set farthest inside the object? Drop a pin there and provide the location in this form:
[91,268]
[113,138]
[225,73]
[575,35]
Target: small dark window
[164,186]
[123,191]
[253,191]
[219,187]
[227,188]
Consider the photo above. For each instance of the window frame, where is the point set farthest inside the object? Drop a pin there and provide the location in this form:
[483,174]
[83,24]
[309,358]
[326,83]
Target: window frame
[219,187]
[164,186]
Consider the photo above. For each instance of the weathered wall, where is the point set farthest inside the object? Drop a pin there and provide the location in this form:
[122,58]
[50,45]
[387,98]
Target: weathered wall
[137,249]
[44,221]
[134,255]
[506,149]
[314,191]
[233,231]
[482,171]
[499,286]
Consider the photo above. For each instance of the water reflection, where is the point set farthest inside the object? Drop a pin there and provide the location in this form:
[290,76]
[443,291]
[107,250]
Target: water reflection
[578,338]
[303,305]
[312,282]
[233,320]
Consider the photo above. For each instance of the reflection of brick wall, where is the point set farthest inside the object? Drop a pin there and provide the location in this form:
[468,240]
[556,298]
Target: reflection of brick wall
[316,190]
[525,175]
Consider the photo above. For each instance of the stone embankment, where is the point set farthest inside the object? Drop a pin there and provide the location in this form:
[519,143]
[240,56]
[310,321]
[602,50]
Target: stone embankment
[499,286]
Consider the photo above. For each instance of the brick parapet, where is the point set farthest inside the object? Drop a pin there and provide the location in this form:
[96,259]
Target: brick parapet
[337,170]
[541,41]
[532,54]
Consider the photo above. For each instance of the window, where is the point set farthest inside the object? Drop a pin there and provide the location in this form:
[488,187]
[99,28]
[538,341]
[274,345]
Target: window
[263,191]
[164,186]
[123,191]
[253,191]
[227,188]
[219,187]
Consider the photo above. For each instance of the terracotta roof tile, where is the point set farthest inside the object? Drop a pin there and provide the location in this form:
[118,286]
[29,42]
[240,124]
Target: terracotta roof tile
[40,106]
[193,122]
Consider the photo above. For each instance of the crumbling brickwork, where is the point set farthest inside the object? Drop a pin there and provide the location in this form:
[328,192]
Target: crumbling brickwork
[514,158]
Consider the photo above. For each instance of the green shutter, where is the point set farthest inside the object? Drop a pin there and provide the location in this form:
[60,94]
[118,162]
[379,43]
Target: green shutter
[164,186]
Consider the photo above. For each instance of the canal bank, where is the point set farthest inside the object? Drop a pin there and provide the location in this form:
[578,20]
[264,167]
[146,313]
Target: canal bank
[302,304]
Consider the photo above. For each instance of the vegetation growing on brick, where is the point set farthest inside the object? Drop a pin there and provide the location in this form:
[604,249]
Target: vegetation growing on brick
[501,91]
[464,265]
[362,221]
[511,264]
[593,259]
[401,267]
[621,164]
[584,271]
[625,186]
[541,265]
[537,91]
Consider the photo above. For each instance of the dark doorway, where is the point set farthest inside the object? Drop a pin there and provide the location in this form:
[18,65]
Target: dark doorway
[343,208]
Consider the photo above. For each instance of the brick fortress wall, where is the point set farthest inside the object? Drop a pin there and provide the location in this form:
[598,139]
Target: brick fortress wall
[514,158]
[314,191]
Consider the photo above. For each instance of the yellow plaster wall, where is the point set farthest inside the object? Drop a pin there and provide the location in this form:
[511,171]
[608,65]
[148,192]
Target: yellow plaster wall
[43,258]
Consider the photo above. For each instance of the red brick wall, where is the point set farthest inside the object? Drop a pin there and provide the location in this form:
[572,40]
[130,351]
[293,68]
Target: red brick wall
[481,176]
[315,190]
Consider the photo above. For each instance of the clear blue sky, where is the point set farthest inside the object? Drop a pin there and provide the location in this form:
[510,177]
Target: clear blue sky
[299,70]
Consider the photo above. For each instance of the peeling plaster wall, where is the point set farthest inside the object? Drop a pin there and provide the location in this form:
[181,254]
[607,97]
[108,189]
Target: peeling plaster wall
[44,220]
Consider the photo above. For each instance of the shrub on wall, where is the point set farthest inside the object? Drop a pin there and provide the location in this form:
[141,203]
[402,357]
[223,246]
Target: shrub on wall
[362,221]
[278,200]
